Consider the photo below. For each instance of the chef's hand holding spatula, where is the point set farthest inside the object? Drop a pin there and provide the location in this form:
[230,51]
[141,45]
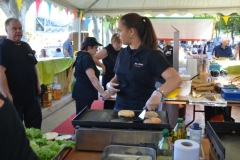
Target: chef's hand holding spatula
[152,103]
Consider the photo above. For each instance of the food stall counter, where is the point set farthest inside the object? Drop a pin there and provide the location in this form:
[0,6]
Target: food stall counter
[47,67]
[93,155]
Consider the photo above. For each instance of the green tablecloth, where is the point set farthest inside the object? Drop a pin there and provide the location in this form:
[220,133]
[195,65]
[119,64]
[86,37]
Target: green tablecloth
[47,67]
[233,69]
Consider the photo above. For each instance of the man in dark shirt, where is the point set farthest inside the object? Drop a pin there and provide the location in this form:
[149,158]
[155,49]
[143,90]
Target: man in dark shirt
[222,50]
[18,75]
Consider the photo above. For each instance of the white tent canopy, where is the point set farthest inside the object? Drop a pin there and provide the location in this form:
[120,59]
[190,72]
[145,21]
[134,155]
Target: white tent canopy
[189,28]
[152,7]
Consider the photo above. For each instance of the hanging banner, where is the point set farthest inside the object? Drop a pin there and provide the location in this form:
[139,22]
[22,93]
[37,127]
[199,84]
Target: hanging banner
[37,5]
[60,8]
[225,18]
[106,25]
[49,9]
[19,3]
[75,14]
[87,21]
[67,10]
[81,15]
[44,25]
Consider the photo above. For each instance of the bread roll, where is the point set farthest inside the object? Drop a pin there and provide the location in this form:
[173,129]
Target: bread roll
[126,113]
[145,158]
[130,158]
[51,135]
[151,114]
[152,121]
[66,137]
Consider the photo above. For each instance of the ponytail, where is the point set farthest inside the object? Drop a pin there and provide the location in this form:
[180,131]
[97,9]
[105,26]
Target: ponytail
[149,38]
[144,28]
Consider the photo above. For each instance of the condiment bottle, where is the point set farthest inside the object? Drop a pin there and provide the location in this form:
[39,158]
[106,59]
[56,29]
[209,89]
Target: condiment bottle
[178,131]
[164,151]
[196,133]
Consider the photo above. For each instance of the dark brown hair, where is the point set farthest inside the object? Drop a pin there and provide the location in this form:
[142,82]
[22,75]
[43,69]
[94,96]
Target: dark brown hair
[144,27]
[44,53]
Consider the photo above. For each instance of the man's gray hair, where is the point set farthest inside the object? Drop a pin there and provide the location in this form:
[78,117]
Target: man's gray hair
[7,22]
[224,38]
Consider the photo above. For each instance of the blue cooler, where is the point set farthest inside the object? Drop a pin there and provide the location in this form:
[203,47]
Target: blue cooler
[230,94]
[214,67]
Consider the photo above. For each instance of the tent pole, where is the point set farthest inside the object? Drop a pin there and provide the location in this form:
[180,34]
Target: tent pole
[79,33]
[176,51]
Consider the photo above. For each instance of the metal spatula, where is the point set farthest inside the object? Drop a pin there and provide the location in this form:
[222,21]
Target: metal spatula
[142,115]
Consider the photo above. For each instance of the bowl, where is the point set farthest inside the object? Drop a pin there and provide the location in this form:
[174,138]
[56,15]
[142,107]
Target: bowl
[174,93]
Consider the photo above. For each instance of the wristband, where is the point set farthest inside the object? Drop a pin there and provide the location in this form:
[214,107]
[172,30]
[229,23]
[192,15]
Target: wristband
[160,92]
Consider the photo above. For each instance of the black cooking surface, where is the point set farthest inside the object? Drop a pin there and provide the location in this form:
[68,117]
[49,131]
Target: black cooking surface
[225,138]
[110,119]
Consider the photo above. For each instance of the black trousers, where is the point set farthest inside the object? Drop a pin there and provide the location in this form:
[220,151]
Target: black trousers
[81,104]
[30,113]
[13,141]
[109,104]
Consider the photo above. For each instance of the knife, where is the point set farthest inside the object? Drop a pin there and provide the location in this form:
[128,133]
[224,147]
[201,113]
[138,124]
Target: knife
[142,115]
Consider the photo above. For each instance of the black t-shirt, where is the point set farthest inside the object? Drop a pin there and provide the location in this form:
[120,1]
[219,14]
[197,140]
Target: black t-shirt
[13,141]
[19,62]
[168,53]
[83,88]
[136,72]
[109,63]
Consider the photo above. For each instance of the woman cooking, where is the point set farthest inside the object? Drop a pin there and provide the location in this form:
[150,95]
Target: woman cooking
[138,65]
[87,86]
[108,55]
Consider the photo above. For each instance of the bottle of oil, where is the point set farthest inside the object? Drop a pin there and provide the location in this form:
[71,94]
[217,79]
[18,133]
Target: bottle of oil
[178,131]
[164,151]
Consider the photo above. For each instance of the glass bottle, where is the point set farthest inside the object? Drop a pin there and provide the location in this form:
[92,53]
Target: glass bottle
[178,131]
[164,147]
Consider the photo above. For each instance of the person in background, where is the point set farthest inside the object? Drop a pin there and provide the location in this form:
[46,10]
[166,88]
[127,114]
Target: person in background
[19,76]
[222,50]
[43,54]
[236,51]
[138,65]
[205,49]
[86,75]
[13,139]
[68,47]
[188,55]
[108,55]
[168,51]
[58,53]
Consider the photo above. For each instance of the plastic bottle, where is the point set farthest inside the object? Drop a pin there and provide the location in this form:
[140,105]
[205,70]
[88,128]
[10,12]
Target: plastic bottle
[164,151]
[196,133]
[178,131]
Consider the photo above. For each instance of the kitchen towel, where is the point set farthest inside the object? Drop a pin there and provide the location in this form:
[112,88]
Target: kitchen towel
[192,67]
[185,149]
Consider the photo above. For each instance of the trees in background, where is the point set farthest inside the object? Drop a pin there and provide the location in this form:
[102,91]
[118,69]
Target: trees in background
[10,8]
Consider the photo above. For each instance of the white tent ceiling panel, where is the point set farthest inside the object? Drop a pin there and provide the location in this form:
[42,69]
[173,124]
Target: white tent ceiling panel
[193,29]
[155,7]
